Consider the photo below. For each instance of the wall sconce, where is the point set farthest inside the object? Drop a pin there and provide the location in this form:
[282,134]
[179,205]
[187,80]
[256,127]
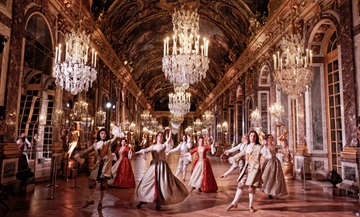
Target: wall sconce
[219,128]
[225,126]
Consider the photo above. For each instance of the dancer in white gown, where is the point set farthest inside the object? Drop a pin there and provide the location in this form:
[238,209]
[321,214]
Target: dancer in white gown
[158,184]
[184,161]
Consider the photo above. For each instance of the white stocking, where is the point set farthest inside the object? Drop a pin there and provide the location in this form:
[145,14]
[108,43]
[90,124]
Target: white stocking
[237,196]
[251,199]
[184,171]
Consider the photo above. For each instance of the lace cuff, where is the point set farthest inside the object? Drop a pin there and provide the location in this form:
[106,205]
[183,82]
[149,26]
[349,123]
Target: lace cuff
[116,131]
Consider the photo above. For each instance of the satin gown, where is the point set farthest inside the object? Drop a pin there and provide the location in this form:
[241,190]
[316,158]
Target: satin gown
[202,175]
[121,170]
[158,183]
[273,177]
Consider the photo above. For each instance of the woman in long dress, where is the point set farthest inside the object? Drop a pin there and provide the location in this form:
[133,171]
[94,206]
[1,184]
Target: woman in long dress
[273,177]
[184,148]
[202,176]
[123,176]
[102,168]
[158,184]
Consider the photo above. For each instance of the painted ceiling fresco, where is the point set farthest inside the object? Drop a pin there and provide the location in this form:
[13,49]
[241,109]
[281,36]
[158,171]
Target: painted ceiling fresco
[136,30]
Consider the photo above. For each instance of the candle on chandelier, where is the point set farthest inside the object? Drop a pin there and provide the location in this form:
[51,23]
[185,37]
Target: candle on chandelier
[310,58]
[167,46]
[164,47]
[92,56]
[59,55]
[95,59]
[274,62]
[307,56]
[56,54]
[207,47]
[202,50]
[280,63]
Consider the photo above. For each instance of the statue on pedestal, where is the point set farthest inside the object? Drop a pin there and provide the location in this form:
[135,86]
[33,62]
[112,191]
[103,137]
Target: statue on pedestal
[287,165]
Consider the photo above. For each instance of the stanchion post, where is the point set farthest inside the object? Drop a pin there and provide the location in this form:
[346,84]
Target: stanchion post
[67,168]
[53,179]
[76,175]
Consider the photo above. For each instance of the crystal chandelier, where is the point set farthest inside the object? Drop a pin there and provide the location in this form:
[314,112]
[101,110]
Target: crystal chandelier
[160,128]
[197,124]
[293,71]
[145,117]
[80,110]
[208,118]
[255,118]
[189,130]
[100,117]
[204,132]
[179,103]
[75,74]
[132,127]
[188,63]
[176,120]
[145,130]
[154,123]
[276,112]
[126,126]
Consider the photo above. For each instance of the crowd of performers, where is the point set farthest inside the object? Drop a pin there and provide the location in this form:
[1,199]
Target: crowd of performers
[258,166]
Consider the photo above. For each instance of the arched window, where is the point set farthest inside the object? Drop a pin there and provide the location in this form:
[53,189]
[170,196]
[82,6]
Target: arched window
[38,47]
[333,102]
[36,106]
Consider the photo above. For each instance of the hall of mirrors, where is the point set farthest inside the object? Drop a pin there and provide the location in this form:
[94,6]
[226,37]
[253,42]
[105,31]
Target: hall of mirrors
[286,68]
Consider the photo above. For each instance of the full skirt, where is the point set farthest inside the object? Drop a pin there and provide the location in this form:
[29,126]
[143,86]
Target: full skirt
[161,186]
[273,178]
[123,174]
[203,177]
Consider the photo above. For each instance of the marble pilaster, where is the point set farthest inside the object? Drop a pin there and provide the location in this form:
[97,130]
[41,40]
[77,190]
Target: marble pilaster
[301,121]
[123,104]
[14,70]
[348,67]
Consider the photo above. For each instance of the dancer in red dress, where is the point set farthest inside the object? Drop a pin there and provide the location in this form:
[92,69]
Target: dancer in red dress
[202,176]
[121,170]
